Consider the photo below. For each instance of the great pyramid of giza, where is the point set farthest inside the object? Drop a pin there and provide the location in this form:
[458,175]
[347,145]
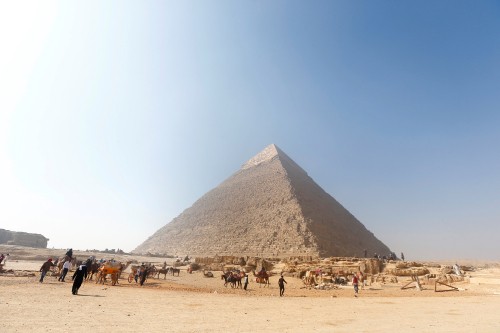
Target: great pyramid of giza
[270,207]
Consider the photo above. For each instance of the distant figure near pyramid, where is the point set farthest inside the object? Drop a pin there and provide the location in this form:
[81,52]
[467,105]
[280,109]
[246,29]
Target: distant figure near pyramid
[270,207]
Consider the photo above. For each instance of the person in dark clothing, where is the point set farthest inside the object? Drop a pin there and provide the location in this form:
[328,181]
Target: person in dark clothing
[144,275]
[281,283]
[69,255]
[245,282]
[45,268]
[78,277]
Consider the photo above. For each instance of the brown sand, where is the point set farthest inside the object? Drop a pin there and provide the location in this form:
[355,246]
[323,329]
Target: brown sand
[193,303]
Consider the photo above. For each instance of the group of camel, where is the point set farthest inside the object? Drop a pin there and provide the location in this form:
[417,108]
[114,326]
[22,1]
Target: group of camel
[114,270]
[100,270]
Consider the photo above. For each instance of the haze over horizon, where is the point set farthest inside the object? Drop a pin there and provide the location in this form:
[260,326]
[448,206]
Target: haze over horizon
[117,116]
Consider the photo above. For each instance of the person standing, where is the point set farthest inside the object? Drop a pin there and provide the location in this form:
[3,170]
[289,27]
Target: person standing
[245,282]
[402,256]
[80,274]
[355,284]
[144,275]
[281,283]
[66,267]
[45,268]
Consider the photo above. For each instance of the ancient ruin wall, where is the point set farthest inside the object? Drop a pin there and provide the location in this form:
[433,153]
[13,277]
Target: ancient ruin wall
[22,238]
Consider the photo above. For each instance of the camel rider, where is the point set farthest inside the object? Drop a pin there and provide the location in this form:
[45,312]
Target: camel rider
[69,254]
[262,272]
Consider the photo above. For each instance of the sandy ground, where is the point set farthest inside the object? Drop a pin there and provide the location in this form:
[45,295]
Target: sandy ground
[193,303]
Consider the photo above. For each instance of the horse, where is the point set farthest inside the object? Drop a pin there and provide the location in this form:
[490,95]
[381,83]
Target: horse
[234,278]
[175,270]
[163,271]
[228,277]
[152,271]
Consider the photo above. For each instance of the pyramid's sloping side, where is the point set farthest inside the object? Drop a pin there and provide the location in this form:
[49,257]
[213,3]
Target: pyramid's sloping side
[254,212]
[336,231]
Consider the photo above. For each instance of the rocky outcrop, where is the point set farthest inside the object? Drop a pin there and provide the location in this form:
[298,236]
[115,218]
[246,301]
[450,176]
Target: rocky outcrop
[22,238]
[268,208]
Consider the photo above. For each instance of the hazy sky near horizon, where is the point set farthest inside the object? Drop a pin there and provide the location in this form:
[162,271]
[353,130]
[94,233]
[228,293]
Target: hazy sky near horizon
[116,116]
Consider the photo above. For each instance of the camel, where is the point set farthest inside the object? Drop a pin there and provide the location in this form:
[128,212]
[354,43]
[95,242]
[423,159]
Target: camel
[208,274]
[114,268]
[94,269]
[262,278]
[133,271]
[309,278]
[60,262]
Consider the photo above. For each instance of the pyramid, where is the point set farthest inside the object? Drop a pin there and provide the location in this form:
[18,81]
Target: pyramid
[269,208]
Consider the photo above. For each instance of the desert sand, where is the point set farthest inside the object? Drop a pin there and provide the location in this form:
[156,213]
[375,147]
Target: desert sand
[194,303]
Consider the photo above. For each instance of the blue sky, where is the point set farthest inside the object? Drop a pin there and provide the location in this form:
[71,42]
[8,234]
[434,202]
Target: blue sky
[117,116]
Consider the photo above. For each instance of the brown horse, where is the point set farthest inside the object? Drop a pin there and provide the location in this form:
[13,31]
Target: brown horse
[234,278]
[230,278]
[175,270]
[163,271]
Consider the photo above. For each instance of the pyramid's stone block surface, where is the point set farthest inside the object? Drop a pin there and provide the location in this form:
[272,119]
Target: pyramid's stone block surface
[270,207]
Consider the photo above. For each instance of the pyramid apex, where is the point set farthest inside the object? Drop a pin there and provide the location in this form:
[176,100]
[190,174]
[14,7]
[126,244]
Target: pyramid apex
[266,154]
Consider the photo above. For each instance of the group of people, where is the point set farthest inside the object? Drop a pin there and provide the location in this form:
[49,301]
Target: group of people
[390,256]
[78,277]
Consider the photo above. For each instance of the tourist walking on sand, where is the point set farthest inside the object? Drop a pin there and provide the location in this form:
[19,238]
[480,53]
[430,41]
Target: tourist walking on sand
[80,274]
[66,267]
[45,268]
[355,284]
[281,283]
